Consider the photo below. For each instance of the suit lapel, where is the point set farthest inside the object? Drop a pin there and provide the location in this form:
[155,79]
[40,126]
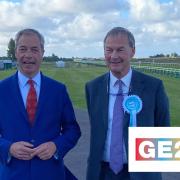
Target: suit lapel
[136,88]
[17,97]
[137,84]
[104,99]
[42,97]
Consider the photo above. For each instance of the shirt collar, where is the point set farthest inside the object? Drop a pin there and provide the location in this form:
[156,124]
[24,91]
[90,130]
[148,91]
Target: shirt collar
[23,79]
[126,79]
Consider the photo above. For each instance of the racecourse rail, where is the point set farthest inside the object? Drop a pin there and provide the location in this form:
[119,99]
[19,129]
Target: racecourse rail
[167,69]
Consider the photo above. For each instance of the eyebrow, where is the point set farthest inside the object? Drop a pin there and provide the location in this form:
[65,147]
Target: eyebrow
[22,46]
[35,47]
[121,47]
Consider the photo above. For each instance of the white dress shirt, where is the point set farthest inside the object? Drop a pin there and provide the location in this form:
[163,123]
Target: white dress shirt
[113,90]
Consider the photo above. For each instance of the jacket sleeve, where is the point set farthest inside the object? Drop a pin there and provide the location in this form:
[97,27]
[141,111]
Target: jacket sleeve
[70,131]
[4,150]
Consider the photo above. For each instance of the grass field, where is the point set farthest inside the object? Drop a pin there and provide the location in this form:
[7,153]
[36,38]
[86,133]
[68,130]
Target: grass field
[76,77]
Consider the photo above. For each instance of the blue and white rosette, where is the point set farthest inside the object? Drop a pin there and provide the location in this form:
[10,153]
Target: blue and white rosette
[132,104]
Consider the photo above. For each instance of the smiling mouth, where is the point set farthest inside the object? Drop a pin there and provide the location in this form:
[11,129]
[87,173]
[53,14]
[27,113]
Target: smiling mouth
[116,62]
[28,62]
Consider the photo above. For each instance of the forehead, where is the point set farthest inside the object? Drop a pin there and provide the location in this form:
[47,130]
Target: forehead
[119,39]
[29,40]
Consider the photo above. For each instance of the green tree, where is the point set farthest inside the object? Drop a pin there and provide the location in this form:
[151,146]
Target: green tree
[55,58]
[174,54]
[11,50]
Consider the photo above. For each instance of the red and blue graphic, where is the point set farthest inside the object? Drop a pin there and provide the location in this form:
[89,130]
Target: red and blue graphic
[157,149]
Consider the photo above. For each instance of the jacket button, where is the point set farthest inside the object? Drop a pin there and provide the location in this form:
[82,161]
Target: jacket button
[32,140]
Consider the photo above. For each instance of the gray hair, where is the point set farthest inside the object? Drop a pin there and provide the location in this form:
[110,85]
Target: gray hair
[29,32]
[120,30]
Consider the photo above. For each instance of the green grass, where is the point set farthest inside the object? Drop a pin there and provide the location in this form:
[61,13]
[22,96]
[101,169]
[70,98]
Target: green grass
[172,86]
[76,77]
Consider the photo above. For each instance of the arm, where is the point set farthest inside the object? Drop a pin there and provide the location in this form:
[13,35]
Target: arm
[70,131]
[4,150]
[20,150]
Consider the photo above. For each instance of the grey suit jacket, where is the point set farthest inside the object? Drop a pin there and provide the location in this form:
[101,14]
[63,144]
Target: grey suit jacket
[155,112]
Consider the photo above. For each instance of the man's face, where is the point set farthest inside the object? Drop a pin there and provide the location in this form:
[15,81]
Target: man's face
[118,54]
[29,54]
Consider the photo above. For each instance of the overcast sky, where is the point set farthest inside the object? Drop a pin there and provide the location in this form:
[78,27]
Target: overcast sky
[76,28]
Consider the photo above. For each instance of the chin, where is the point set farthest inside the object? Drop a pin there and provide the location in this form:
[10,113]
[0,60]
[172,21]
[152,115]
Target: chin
[28,72]
[116,69]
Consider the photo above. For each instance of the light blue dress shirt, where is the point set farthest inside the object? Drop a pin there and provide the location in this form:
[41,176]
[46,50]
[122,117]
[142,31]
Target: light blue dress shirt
[24,86]
[113,89]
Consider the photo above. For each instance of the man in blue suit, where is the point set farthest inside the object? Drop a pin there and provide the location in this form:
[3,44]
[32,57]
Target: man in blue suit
[102,94]
[37,121]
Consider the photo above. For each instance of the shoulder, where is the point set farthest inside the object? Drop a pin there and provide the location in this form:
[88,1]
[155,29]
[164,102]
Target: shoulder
[8,80]
[145,78]
[51,82]
[97,80]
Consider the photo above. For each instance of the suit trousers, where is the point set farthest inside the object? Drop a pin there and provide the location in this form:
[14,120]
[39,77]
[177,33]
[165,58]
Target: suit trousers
[107,174]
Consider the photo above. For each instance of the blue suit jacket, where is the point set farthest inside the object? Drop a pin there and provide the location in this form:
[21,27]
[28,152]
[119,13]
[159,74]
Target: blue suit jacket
[55,121]
[155,112]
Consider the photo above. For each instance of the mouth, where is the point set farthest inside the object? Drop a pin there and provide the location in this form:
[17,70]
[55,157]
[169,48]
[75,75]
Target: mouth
[29,62]
[116,61]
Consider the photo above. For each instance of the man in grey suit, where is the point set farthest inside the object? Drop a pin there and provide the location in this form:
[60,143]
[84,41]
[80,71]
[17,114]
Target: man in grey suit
[102,94]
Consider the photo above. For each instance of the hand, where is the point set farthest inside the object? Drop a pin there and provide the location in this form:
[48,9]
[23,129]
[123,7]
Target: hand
[45,151]
[22,150]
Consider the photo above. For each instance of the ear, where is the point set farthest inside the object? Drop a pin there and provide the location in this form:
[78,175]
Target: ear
[133,51]
[43,52]
[16,53]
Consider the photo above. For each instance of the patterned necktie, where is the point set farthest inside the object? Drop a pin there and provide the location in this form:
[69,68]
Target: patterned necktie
[116,146]
[31,102]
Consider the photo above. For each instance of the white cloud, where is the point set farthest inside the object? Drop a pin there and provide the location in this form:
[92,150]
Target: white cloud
[72,27]
[156,25]
[8,11]
[153,11]
[45,8]
[163,30]
[83,26]
[145,10]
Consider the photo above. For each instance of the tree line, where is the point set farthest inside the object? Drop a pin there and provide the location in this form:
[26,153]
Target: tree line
[11,54]
[174,54]
[53,57]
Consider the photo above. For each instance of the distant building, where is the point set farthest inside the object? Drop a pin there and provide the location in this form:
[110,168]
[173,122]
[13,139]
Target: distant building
[6,64]
[60,64]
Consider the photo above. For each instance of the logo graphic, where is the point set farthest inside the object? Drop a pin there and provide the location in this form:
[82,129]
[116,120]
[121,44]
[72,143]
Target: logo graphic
[132,104]
[157,149]
[154,149]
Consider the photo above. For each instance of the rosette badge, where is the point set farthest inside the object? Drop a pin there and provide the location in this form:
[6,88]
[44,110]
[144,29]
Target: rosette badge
[132,105]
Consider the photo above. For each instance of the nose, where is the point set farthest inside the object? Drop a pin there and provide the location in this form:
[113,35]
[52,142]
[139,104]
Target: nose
[28,53]
[114,55]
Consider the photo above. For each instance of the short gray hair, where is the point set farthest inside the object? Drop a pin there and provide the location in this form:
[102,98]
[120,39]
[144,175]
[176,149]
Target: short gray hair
[28,32]
[120,30]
